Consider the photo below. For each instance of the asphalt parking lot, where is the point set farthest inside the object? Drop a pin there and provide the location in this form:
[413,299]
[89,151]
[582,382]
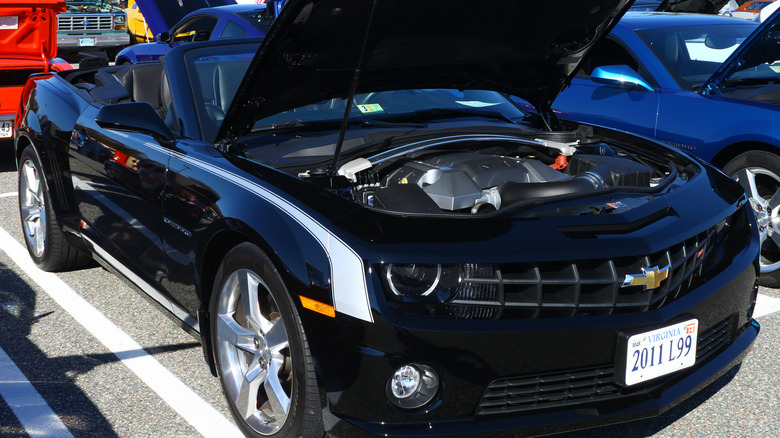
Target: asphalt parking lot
[82,354]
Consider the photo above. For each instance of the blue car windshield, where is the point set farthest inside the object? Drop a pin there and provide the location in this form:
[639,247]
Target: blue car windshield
[691,54]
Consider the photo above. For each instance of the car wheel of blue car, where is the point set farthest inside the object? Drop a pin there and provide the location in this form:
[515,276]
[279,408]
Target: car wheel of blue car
[759,174]
[260,348]
[43,236]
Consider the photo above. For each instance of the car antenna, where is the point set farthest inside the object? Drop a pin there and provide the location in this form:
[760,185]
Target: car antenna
[352,91]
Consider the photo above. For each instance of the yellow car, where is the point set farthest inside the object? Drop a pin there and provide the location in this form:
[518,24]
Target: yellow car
[136,24]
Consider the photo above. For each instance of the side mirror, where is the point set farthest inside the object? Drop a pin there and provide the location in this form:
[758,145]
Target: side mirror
[619,75]
[134,117]
[162,37]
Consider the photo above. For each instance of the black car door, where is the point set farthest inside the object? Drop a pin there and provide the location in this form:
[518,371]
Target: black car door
[119,180]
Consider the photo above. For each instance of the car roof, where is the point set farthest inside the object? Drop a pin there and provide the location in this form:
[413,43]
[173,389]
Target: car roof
[229,9]
[636,20]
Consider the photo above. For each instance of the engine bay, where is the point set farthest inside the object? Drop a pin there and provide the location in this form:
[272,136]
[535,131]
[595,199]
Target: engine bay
[478,174]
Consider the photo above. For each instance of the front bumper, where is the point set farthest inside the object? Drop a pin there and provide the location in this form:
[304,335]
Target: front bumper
[86,41]
[469,355]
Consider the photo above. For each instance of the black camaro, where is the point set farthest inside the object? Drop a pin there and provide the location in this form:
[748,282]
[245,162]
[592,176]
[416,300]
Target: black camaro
[369,236]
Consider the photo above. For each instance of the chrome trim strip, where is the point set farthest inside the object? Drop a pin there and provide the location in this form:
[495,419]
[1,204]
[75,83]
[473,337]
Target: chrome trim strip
[150,290]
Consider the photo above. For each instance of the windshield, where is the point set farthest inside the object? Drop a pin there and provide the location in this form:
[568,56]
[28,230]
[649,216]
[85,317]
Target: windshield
[398,106]
[691,54]
[216,73]
[760,64]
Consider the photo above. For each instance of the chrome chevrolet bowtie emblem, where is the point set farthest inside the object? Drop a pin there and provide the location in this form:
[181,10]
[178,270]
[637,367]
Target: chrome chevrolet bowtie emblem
[650,278]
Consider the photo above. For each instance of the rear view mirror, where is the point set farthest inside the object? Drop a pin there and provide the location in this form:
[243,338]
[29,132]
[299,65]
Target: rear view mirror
[719,42]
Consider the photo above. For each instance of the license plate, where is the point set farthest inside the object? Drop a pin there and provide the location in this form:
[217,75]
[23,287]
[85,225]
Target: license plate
[6,129]
[658,352]
[86,42]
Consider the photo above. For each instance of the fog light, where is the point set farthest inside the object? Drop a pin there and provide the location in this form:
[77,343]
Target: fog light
[412,386]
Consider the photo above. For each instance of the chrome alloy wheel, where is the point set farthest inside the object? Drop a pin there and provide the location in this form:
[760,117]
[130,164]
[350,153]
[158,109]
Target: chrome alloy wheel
[762,188]
[254,352]
[33,207]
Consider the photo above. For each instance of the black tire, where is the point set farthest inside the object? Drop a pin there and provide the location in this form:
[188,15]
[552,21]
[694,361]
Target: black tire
[247,272]
[759,174]
[43,235]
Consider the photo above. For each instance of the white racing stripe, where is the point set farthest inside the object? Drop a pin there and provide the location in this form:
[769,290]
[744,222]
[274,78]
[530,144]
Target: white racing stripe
[33,413]
[208,421]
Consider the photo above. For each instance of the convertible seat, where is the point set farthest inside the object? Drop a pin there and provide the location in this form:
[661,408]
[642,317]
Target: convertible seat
[142,82]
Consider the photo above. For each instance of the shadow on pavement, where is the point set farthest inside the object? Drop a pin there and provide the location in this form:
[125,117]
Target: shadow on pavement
[53,378]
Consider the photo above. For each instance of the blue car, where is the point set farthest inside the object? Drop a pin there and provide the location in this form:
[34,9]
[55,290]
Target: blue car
[217,23]
[706,84]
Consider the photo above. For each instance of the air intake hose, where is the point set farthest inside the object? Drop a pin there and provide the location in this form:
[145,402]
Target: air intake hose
[587,182]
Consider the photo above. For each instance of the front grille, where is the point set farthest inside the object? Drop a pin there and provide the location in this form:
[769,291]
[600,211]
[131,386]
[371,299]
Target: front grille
[578,288]
[573,387]
[84,23]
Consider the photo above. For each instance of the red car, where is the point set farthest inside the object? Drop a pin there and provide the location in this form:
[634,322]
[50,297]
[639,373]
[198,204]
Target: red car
[28,45]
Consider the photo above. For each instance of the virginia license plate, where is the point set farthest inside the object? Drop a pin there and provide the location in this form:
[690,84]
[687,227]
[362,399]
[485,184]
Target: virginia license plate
[6,129]
[86,42]
[659,352]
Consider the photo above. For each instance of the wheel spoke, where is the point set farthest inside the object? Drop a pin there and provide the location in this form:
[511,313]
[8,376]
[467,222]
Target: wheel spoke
[33,213]
[31,178]
[747,179]
[229,330]
[774,203]
[246,400]
[38,237]
[249,285]
[276,337]
[279,400]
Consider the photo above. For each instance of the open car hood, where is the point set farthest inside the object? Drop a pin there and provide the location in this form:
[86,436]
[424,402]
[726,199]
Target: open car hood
[28,29]
[323,49]
[161,16]
[762,46]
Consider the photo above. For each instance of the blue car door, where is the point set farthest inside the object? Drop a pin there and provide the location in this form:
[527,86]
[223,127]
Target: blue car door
[624,107]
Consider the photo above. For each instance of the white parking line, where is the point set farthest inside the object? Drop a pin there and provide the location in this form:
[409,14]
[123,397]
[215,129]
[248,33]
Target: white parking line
[766,305]
[33,413]
[8,195]
[201,415]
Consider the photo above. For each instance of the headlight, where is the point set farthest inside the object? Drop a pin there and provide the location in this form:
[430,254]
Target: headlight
[422,280]
[119,19]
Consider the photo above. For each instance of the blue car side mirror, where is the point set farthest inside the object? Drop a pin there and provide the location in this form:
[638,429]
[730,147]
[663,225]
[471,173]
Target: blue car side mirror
[619,75]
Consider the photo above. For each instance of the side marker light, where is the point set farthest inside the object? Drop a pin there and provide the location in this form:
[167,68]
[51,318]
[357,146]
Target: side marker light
[318,307]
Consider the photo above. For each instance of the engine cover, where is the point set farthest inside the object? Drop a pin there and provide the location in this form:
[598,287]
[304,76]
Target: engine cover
[458,181]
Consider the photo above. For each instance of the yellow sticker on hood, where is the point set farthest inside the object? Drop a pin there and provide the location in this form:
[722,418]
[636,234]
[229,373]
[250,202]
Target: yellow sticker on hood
[370,108]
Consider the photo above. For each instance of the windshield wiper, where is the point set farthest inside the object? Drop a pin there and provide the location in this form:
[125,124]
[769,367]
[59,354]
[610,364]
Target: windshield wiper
[384,124]
[298,124]
[441,113]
